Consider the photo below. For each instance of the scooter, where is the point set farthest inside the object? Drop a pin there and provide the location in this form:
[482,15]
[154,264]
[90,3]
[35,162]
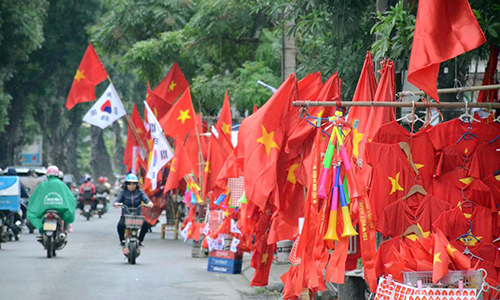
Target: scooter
[102,200]
[133,223]
[54,236]
[87,209]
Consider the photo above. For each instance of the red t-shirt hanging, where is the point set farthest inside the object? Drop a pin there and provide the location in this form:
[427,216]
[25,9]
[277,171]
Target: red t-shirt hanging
[454,223]
[447,133]
[392,175]
[456,186]
[418,209]
[486,159]
[493,182]
[421,147]
[489,254]
[457,155]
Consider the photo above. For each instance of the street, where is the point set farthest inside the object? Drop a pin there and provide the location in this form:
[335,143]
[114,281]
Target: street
[92,266]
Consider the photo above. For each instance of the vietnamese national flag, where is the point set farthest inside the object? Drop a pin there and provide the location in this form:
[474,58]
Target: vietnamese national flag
[172,86]
[440,261]
[444,30]
[158,105]
[90,73]
[131,139]
[224,124]
[232,168]
[216,157]
[180,167]
[262,259]
[460,260]
[180,119]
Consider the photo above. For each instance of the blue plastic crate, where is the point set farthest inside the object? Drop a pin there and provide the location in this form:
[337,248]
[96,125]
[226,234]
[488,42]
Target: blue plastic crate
[222,265]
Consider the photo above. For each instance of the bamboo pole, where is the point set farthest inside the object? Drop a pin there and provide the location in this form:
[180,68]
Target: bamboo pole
[452,90]
[396,104]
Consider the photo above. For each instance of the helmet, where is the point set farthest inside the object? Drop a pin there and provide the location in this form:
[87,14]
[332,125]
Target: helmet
[105,179]
[52,171]
[87,177]
[100,180]
[131,178]
[61,175]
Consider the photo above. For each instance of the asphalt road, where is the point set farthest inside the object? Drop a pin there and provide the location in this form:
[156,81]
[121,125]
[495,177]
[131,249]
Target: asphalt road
[93,267]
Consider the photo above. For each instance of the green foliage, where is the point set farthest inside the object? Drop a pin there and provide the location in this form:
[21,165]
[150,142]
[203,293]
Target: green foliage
[394,33]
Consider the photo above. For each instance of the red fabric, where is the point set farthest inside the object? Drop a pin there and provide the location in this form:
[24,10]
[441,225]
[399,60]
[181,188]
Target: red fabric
[453,187]
[441,259]
[384,256]
[454,223]
[417,209]
[457,155]
[232,167]
[216,158]
[172,86]
[158,105]
[180,167]
[335,270]
[487,251]
[386,185]
[485,161]
[180,119]
[489,77]
[448,133]
[194,144]
[444,29]
[90,73]
[254,108]
[261,261]
[422,150]
[224,124]
[309,85]
[260,140]
[493,182]
[367,241]
[131,140]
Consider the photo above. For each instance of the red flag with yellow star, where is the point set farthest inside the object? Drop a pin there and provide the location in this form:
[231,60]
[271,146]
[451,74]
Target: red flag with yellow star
[260,140]
[90,73]
[172,86]
[157,104]
[131,140]
[262,259]
[224,124]
[180,119]
[441,260]
[216,157]
[181,166]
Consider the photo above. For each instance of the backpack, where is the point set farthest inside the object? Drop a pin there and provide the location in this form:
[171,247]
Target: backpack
[87,192]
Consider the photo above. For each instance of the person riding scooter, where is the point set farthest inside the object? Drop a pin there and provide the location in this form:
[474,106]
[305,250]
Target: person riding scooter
[87,193]
[132,197]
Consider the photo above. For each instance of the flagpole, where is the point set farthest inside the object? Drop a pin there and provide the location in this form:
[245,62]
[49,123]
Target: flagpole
[131,125]
[306,104]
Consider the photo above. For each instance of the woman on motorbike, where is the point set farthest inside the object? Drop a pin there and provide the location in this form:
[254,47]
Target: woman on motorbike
[132,197]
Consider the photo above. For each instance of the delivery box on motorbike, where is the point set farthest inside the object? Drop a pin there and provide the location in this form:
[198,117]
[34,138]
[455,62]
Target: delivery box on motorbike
[10,193]
[51,194]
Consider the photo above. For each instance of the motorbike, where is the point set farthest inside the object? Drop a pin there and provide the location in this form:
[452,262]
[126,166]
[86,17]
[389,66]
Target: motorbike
[24,208]
[102,200]
[88,211]
[54,237]
[10,226]
[133,224]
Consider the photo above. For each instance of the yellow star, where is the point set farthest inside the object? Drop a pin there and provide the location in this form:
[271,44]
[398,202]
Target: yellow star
[415,237]
[470,241]
[207,168]
[79,75]
[436,258]
[451,250]
[395,184]
[184,115]
[172,165]
[466,180]
[497,177]
[172,86]
[419,166]
[226,128]
[267,139]
[291,173]
[356,139]
[226,213]
[264,258]
[466,150]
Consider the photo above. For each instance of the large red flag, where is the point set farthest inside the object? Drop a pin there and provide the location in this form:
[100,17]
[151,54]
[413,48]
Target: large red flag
[172,86]
[441,260]
[131,140]
[224,124]
[90,73]
[158,105]
[180,119]
[232,168]
[181,166]
[444,29]
[262,259]
[216,157]
[260,140]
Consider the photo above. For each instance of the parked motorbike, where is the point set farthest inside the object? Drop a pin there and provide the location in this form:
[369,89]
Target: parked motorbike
[102,200]
[54,236]
[133,224]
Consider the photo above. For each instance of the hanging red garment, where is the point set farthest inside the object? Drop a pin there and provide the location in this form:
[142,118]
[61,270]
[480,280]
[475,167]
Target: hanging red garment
[489,77]
[493,182]
[385,256]
[486,160]
[392,175]
[455,222]
[457,155]
[417,209]
[456,186]
[422,150]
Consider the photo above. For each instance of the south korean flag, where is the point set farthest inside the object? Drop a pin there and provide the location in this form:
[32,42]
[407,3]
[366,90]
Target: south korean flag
[106,110]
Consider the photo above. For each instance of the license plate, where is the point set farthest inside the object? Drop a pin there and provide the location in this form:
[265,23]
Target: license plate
[49,226]
[86,207]
[100,206]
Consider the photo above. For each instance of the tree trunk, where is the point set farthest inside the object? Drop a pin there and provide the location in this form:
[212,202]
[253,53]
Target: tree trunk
[289,52]
[100,162]
[119,149]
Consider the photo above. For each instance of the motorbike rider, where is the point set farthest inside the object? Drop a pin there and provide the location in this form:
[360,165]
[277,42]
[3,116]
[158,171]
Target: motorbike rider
[87,192]
[51,194]
[32,181]
[102,187]
[131,196]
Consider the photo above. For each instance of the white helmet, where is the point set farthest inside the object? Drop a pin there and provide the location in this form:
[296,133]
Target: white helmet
[52,171]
